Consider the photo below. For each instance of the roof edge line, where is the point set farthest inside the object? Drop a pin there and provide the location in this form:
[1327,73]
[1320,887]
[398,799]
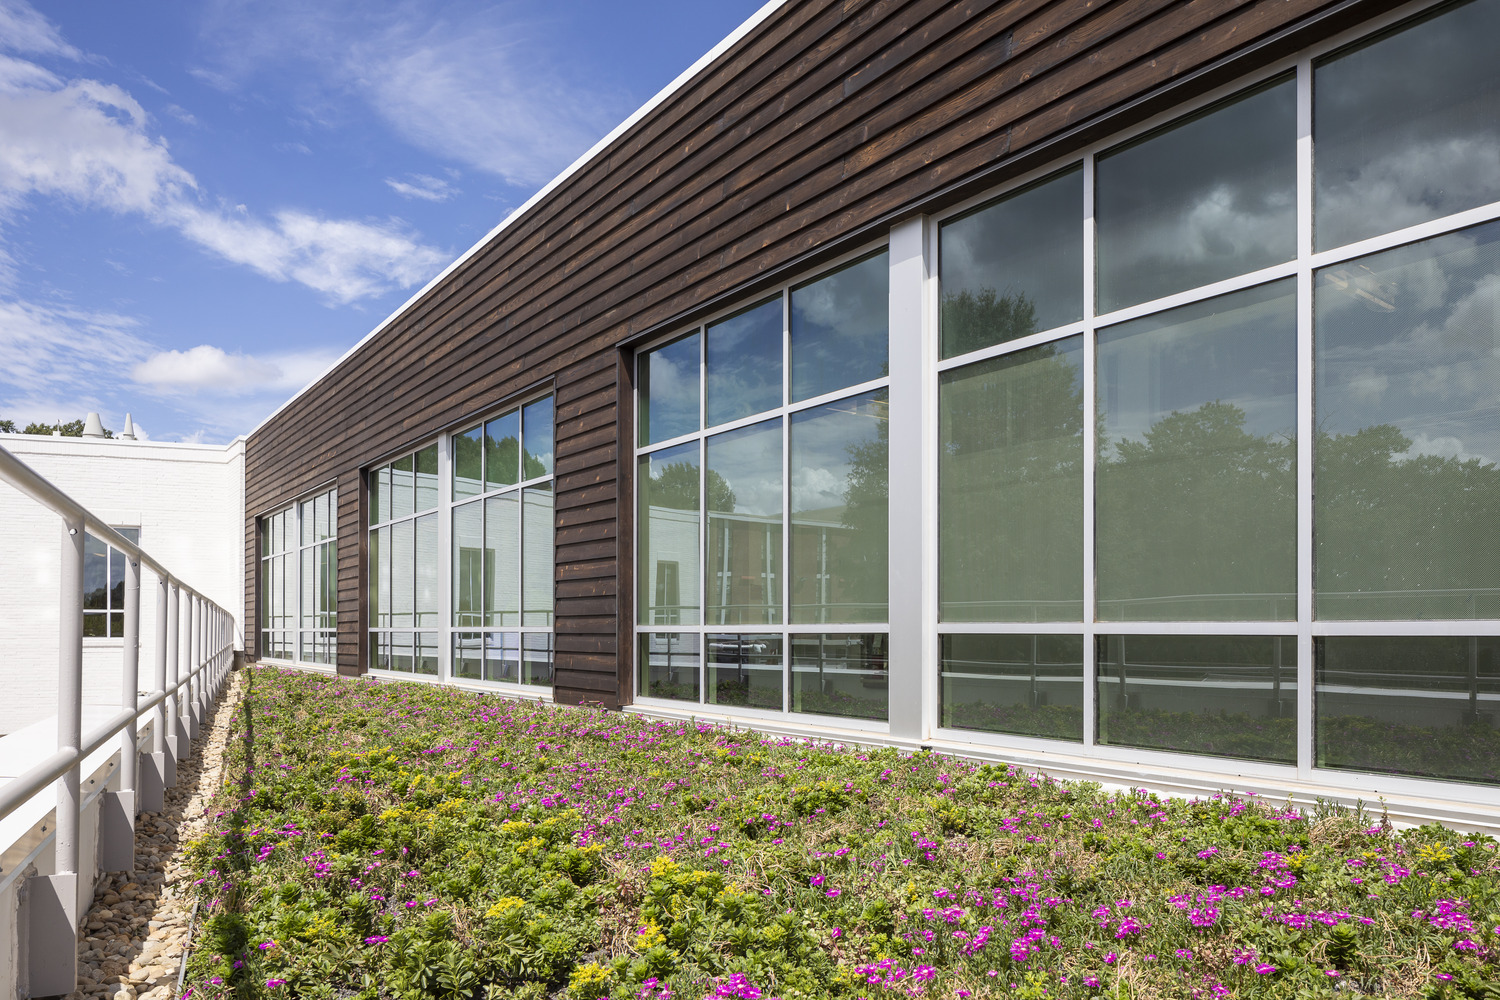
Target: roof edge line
[750,23]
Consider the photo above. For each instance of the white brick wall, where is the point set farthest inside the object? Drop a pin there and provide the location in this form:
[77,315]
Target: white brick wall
[189,502]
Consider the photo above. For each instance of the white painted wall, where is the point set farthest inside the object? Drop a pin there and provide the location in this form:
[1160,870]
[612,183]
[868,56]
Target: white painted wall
[189,502]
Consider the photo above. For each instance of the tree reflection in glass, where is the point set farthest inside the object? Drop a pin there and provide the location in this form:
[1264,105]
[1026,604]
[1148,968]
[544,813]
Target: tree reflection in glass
[1196,470]
[1407,489]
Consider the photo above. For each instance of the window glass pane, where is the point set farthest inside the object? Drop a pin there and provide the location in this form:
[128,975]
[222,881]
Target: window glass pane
[428,599]
[309,576]
[401,651]
[402,475]
[308,519]
[468,463]
[117,624]
[426,648]
[1407,127]
[328,570]
[502,450]
[536,659]
[502,559]
[742,357]
[668,390]
[325,517]
[1420,705]
[131,534]
[380,494]
[537,431]
[1014,267]
[95,573]
[538,561]
[1023,685]
[1408,411]
[332,522]
[469,557]
[667,491]
[265,537]
[840,675]
[668,665]
[1197,479]
[1205,200]
[1222,695]
[273,592]
[840,328]
[116,578]
[95,624]
[1010,477]
[839,509]
[380,576]
[427,478]
[745,670]
[743,487]
[502,657]
[403,574]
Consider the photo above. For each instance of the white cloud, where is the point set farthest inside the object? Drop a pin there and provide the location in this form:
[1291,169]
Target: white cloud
[206,367]
[423,186]
[464,80]
[22,29]
[87,142]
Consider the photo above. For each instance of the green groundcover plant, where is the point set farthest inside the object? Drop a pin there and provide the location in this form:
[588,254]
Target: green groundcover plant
[402,840]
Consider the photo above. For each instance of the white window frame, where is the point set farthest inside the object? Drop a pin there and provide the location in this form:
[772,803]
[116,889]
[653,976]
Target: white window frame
[295,553]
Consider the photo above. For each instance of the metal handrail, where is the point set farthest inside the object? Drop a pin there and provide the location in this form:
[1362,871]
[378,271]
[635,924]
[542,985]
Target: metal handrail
[194,637]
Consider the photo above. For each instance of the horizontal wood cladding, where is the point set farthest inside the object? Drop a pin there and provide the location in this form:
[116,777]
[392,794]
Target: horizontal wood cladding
[828,120]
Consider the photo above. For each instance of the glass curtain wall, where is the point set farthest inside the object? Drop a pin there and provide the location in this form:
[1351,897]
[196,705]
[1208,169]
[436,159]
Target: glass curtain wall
[761,493]
[403,564]
[1225,456]
[502,547]
[299,581]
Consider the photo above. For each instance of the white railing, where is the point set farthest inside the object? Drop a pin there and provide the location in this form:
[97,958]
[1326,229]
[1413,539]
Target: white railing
[193,655]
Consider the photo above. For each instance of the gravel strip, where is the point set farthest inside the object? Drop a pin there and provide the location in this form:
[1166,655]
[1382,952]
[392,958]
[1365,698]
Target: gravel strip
[131,946]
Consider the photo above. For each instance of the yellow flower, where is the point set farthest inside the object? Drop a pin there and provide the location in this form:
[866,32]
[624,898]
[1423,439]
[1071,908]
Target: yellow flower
[662,867]
[503,906]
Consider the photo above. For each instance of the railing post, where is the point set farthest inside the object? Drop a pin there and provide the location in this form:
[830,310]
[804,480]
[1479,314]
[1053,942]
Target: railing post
[117,809]
[174,634]
[52,900]
[154,778]
[196,661]
[185,666]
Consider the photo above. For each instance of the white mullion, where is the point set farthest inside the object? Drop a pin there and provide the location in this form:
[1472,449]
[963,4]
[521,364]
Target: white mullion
[1433,627]
[1201,293]
[445,558]
[1007,347]
[1411,234]
[1306,422]
[847,392]
[786,501]
[931,442]
[702,515]
[1090,449]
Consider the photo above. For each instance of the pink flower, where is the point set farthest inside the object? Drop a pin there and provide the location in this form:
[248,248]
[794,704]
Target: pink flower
[1265,969]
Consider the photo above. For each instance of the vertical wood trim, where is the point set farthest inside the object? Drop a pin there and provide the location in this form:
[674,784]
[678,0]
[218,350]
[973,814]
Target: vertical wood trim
[625,523]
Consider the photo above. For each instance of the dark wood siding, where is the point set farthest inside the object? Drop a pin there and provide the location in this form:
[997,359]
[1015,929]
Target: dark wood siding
[827,122]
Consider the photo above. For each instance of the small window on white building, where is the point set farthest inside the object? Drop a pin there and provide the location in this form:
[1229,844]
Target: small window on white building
[104,586]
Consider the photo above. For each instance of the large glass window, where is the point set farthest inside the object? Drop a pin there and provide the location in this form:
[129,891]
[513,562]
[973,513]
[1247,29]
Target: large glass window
[1200,200]
[1196,507]
[299,581]
[104,585]
[1423,705]
[1145,474]
[793,391]
[1407,515]
[1408,125]
[404,559]
[1010,487]
[1223,695]
[503,561]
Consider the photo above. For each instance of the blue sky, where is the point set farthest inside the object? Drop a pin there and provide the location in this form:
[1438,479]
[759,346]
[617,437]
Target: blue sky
[203,204]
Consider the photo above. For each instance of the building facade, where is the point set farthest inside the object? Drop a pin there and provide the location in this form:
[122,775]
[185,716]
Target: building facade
[1112,388]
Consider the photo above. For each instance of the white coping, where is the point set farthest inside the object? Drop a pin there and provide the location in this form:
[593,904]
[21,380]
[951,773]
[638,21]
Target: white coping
[27,747]
[661,97]
[17,442]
